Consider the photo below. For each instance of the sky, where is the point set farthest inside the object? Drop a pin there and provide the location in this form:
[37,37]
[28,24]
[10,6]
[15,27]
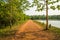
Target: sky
[32,11]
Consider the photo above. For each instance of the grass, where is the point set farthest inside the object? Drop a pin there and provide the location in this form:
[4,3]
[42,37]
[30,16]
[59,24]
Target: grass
[10,31]
[52,29]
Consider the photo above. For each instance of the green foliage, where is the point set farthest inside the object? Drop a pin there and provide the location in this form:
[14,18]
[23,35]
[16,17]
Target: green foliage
[58,0]
[42,17]
[53,7]
[37,17]
[58,7]
[41,4]
[12,11]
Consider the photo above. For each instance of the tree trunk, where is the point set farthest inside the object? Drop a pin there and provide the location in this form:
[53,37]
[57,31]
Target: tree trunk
[10,23]
[46,14]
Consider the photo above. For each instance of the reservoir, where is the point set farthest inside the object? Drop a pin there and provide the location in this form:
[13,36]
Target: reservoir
[55,23]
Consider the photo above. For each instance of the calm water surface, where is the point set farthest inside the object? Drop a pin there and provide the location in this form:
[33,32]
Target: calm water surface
[55,23]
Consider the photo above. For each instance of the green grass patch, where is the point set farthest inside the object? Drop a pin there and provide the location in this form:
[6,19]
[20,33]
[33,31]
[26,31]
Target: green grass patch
[11,31]
[40,23]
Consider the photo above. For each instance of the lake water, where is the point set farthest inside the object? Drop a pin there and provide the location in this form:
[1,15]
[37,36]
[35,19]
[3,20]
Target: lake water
[55,23]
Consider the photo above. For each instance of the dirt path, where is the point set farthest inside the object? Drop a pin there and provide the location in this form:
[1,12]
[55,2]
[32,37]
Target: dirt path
[32,31]
[29,26]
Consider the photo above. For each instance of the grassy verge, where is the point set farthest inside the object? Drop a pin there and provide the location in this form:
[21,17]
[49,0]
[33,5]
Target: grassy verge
[52,29]
[10,31]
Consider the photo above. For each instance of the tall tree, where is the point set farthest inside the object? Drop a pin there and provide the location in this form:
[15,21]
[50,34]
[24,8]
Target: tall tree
[46,14]
[43,4]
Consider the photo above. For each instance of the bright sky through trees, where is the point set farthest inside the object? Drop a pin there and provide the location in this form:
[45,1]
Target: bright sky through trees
[51,12]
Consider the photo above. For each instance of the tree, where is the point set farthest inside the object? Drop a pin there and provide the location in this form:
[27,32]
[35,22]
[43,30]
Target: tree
[12,11]
[40,6]
[46,14]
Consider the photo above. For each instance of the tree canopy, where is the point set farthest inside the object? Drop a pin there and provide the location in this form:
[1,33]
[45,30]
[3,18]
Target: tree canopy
[12,11]
[41,4]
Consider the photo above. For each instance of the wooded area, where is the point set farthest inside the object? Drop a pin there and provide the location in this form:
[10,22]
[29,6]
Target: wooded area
[43,17]
[11,11]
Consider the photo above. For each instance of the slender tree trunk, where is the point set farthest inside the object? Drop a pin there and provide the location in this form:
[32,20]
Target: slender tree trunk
[46,14]
[10,24]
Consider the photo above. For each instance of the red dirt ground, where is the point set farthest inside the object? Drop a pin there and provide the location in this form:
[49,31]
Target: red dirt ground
[32,31]
[29,26]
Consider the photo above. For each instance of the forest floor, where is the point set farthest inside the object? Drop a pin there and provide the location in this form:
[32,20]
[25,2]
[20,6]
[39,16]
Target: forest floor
[31,31]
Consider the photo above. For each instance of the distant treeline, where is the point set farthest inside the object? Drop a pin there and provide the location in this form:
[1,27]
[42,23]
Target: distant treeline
[43,17]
